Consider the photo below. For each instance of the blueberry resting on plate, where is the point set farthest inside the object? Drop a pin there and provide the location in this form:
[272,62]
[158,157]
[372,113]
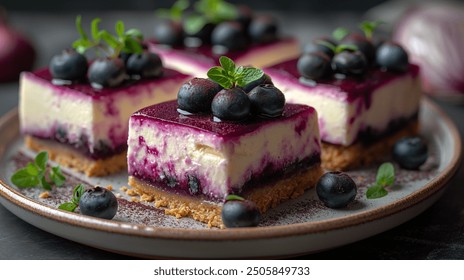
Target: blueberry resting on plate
[229,35]
[69,65]
[98,202]
[336,189]
[231,104]
[264,80]
[145,65]
[196,95]
[314,66]
[392,57]
[410,152]
[240,213]
[263,29]
[106,72]
[169,32]
[267,101]
[350,63]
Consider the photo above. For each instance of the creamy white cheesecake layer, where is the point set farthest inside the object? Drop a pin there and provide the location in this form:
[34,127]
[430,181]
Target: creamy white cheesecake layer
[342,120]
[159,149]
[44,107]
[198,64]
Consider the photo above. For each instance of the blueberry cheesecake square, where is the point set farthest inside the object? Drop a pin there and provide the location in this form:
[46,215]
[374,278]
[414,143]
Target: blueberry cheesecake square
[217,140]
[240,34]
[367,96]
[78,109]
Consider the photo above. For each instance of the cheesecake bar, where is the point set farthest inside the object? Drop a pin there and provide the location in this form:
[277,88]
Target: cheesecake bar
[83,127]
[360,117]
[190,163]
[198,60]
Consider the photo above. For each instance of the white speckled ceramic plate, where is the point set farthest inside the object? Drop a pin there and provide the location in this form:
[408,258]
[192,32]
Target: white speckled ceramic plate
[300,226]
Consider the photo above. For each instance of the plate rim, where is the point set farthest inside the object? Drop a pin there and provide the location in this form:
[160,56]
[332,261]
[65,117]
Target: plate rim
[237,234]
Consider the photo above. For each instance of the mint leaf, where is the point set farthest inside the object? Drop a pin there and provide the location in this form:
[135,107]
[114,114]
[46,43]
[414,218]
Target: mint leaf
[131,45]
[228,65]
[95,30]
[340,33]
[35,173]
[41,160]
[178,9]
[219,75]
[368,27]
[248,75]
[119,27]
[233,197]
[45,184]
[134,33]
[57,176]
[376,191]
[32,169]
[79,28]
[22,179]
[386,175]
[345,47]
[68,206]
[225,11]
[109,39]
[194,23]
[77,193]
[327,44]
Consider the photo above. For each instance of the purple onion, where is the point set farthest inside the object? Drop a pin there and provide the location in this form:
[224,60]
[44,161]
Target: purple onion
[16,53]
[434,39]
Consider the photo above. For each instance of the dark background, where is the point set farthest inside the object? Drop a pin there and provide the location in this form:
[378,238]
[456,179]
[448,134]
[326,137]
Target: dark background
[283,5]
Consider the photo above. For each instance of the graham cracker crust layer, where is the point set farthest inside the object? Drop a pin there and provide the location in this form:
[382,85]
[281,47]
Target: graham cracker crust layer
[68,157]
[265,197]
[337,157]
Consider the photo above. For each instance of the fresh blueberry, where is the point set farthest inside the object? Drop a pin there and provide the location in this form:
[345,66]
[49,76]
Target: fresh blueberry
[264,80]
[98,202]
[316,45]
[350,63]
[145,65]
[410,152]
[267,101]
[169,32]
[106,72]
[392,57]
[240,213]
[362,43]
[69,65]
[314,65]
[231,104]
[196,95]
[336,189]
[229,35]
[263,29]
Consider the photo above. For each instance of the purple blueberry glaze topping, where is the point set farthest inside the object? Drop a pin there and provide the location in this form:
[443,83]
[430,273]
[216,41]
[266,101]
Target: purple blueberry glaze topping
[167,112]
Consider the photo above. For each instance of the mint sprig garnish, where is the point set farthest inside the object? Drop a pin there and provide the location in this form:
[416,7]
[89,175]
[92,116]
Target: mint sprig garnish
[105,43]
[385,177]
[76,197]
[231,197]
[340,33]
[36,174]
[337,48]
[229,75]
[368,27]
[209,11]
[175,12]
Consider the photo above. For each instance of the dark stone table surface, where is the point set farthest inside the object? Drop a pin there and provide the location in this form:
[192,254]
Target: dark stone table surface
[437,233]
